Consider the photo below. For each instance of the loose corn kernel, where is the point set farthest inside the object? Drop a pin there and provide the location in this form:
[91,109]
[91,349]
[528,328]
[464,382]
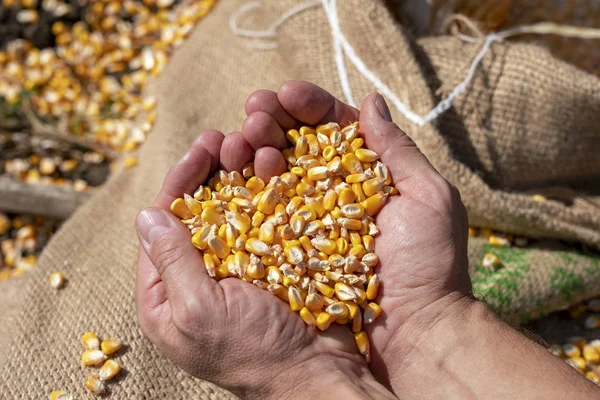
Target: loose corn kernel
[357,323]
[292,135]
[257,246]
[255,184]
[374,204]
[372,186]
[57,280]
[578,363]
[490,261]
[362,342]
[179,208]
[93,357]
[369,243]
[325,289]
[308,317]
[111,346]
[371,313]
[498,241]
[61,395]
[324,320]
[109,370]
[373,287]
[90,341]
[366,155]
[295,298]
[94,385]
[570,350]
[593,376]
[578,341]
[590,354]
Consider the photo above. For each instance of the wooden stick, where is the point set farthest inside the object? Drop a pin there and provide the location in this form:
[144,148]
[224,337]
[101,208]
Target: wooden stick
[49,201]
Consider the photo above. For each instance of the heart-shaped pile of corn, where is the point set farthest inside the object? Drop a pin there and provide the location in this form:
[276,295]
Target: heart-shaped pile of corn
[308,235]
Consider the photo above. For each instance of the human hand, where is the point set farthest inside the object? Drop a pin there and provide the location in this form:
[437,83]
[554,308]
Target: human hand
[230,332]
[422,246]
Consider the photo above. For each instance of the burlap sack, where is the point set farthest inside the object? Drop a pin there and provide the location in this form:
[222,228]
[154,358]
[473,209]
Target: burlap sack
[205,86]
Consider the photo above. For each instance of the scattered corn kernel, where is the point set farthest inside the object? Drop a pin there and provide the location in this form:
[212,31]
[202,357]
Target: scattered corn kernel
[57,280]
[90,341]
[111,346]
[94,385]
[61,395]
[93,357]
[490,261]
[109,370]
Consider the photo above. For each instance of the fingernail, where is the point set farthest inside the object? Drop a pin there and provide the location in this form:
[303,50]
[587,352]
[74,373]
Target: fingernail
[382,106]
[151,224]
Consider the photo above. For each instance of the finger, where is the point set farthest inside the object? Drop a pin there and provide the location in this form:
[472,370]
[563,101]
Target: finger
[166,242]
[186,175]
[267,102]
[401,155]
[150,292]
[313,105]
[269,162]
[235,152]
[211,140]
[261,130]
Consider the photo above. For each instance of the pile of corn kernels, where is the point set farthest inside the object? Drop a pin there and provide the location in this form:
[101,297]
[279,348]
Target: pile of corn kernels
[306,236]
[50,162]
[580,354]
[91,83]
[22,238]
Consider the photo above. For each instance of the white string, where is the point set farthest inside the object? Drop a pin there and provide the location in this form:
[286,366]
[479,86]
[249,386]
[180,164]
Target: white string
[330,8]
[343,47]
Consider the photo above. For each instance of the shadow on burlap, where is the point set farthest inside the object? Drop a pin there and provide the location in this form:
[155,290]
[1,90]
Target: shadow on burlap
[526,123]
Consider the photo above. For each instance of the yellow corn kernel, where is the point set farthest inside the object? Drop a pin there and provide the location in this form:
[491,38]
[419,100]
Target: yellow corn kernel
[336,261]
[314,302]
[111,346]
[301,147]
[212,217]
[219,247]
[222,271]
[255,270]
[357,322]
[288,155]
[179,208]
[325,289]
[571,350]
[351,163]
[329,200]
[304,189]
[257,247]
[354,211]
[373,287]
[298,171]
[306,244]
[539,198]
[257,219]
[490,261]
[267,233]
[369,243]
[328,153]
[369,259]
[362,343]
[339,310]
[371,313]
[274,275]
[374,204]
[292,135]
[335,231]
[307,212]
[293,254]
[590,354]
[317,173]
[200,237]
[372,186]
[94,385]
[356,178]
[57,279]
[390,190]
[350,224]
[324,320]
[90,341]
[307,130]
[313,145]
[231,235]
[355,238]
[297,223]
[295,298]
[358,192]
[60,395]
[308,317]
[344,292]
[109,370]
[324,244]
[353,309]
[255,184]
[578,363]
[345,197]
[366,155]
[593,376]
[93,357]
[356,144]
[192,204]
[499,241]
[267,202]
[342,246]
[209,264]
[222,232]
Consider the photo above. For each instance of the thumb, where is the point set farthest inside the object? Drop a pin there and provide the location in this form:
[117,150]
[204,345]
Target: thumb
[401,155]
[167,242]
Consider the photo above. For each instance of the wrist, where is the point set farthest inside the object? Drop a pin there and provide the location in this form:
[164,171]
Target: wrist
[323,377]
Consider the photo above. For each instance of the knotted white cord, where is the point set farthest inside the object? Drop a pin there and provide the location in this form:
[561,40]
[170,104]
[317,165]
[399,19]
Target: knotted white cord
[343,47]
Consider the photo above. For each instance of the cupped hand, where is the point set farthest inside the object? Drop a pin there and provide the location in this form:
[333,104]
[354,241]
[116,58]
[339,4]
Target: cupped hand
[422,246]
[230,332]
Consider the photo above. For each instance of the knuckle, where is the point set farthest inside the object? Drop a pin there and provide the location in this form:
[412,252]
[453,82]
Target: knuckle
[165,253]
